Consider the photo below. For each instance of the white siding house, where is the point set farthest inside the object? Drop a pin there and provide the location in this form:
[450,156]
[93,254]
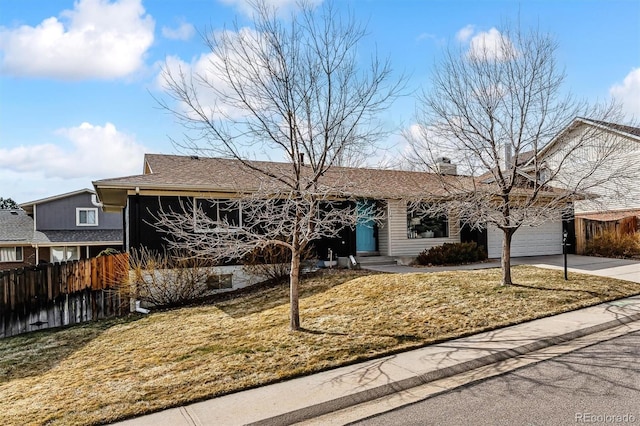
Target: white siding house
[396,236]
[616,151]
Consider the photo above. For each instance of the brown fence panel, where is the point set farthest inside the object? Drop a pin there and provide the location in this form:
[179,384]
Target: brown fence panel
[54,295]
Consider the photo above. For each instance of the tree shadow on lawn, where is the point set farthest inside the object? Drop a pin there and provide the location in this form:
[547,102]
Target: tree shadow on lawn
[573,290]
[400,338]
[34,353]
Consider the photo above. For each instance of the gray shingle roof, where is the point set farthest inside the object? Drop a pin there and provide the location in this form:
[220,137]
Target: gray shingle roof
[84,236]
[17,227]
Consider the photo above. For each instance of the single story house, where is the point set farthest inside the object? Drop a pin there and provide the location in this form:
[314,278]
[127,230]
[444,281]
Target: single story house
[168,179]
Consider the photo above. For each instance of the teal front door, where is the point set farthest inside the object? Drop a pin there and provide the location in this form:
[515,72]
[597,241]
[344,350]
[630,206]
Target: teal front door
[365,228]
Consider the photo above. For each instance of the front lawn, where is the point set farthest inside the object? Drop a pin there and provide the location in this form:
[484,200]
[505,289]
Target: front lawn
[111,370]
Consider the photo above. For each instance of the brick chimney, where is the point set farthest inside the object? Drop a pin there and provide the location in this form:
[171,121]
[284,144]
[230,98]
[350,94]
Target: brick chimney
[443,166]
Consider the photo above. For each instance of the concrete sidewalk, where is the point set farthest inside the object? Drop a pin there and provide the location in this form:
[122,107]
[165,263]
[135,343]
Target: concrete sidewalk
[312,396]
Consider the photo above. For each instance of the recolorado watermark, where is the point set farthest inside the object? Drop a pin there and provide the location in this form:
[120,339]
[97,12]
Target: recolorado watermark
[605,418]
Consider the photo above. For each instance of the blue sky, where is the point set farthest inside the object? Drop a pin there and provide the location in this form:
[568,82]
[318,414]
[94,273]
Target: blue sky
[77,79]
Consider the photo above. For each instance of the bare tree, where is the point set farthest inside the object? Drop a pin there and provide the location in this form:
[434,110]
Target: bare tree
[294,89]
[492,110]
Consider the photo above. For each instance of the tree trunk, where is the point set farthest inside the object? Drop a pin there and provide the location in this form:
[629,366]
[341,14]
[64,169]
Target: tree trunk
[294,279]
[506,256]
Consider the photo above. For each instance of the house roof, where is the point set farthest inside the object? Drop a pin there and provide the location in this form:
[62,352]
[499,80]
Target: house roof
[521,159]
[97,236]
[56,197]
[173,172]
[16,228]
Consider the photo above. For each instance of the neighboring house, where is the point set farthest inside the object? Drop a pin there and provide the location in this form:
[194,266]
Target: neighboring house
[580,145]
[603,137]
[71,226]
[168,179]
[611,202]
[18,239]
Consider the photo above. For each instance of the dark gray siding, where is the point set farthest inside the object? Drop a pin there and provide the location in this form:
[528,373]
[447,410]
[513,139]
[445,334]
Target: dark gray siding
[142,212]
[61,214]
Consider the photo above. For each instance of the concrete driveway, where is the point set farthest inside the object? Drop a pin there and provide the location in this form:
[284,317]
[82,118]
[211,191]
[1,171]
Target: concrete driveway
[621,269]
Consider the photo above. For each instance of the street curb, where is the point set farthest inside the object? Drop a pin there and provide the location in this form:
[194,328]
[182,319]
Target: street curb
[341,403]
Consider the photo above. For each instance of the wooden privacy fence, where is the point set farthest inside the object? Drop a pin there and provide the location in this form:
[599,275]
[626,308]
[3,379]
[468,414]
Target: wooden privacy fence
[53,295]
[588,229]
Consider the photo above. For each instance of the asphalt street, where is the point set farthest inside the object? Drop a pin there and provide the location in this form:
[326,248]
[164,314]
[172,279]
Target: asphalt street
[599,384]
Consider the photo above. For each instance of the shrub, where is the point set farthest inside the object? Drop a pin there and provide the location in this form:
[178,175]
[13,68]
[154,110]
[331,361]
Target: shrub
[452,254]
[612,244]
[163,279]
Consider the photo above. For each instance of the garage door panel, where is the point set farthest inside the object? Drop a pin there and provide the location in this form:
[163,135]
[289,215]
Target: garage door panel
[528,241]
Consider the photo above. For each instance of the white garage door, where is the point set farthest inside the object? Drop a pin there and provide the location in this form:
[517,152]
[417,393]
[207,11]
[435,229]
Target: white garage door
[528,241]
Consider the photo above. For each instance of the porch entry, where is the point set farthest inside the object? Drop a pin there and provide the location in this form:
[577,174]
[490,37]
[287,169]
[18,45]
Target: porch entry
[365,228]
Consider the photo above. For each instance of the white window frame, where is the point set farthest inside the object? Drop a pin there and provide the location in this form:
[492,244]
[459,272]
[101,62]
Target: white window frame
[65,250]
[86,209]
[18,254]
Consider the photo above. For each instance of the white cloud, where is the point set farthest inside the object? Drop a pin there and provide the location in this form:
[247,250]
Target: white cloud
[204,68]
[465,33]
[97,39]
[94,151]
[491,45]
[184,32]
[628,93]
[430,37]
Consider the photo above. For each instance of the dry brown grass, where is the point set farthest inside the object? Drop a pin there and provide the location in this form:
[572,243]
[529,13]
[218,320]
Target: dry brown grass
[110,370]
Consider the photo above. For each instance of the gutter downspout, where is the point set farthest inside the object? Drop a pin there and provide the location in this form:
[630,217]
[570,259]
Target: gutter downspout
[95,202]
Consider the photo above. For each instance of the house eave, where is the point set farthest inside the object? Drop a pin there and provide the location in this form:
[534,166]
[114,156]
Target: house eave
[78,243]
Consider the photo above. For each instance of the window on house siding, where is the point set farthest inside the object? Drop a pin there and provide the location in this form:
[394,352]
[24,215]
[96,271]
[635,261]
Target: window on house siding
[219,212]
[11,254]
[64,254]
[220,281]
[86,216]
[422,225]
